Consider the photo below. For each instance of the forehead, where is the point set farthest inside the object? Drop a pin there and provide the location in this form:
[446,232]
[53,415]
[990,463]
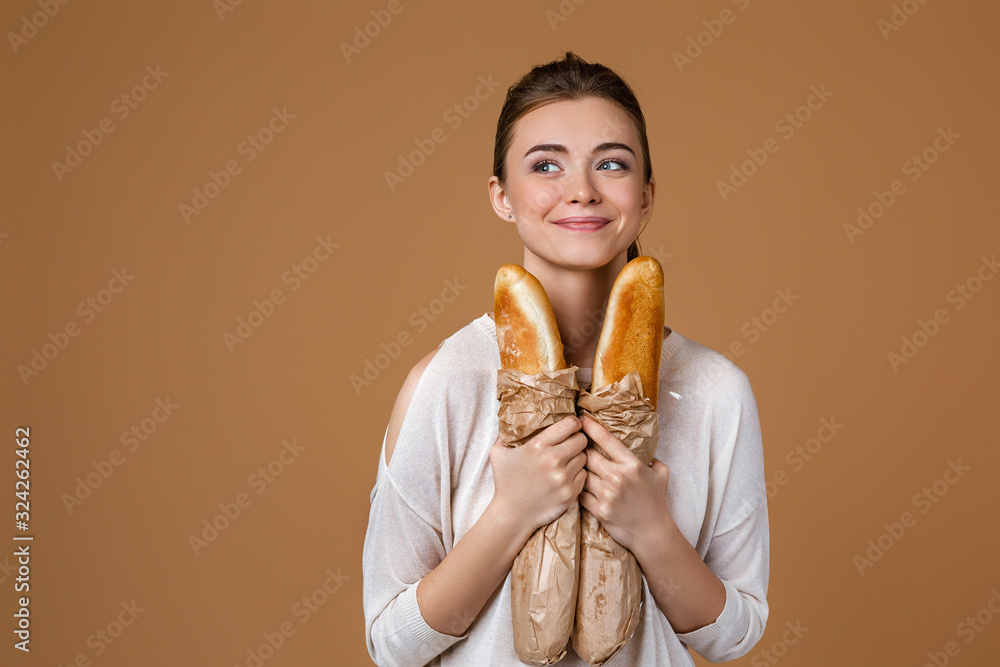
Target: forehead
[576,123]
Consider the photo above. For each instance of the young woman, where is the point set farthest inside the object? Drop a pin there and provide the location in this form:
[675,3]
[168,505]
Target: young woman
[452,506]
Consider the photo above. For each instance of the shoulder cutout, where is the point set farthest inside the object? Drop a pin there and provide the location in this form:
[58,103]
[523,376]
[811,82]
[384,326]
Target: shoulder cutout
[403,402]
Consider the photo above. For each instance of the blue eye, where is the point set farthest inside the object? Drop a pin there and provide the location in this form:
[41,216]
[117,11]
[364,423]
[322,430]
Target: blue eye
[622,165]
[552,167]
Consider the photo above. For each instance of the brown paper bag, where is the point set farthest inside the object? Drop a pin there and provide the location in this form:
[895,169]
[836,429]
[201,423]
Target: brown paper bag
[611,593]
[544,576]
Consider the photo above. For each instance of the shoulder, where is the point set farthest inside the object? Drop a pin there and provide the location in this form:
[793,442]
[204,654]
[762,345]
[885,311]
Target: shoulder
[403,401]
[463,367]
[714,372]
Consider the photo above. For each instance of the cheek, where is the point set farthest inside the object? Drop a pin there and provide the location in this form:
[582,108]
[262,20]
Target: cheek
[538,200]
[626,196]
[628,203]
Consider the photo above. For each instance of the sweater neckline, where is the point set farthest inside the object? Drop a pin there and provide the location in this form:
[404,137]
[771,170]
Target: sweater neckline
[672,342]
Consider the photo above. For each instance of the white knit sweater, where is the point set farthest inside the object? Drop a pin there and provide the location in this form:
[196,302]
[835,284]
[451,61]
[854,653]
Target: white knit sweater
[439,482]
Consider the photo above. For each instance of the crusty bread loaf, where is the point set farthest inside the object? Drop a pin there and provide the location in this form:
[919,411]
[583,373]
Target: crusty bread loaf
[526,326]
[610,597]
[545,574]
[632,334]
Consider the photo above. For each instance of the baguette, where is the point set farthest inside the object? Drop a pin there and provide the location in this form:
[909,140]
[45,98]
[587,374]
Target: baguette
[631,340]
[526,326]
[545,574]
[632,336]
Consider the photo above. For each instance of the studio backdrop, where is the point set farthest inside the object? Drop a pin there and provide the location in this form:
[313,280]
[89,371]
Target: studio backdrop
[231,229]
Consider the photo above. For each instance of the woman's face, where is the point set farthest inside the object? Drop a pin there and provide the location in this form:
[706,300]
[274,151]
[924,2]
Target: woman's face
[575,186]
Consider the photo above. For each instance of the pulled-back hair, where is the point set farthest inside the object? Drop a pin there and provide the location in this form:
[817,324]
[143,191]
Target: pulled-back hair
[571,78]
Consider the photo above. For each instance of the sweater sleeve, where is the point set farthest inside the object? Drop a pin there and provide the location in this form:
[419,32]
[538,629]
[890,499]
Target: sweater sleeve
[739,551]
[401,546]
[409,532]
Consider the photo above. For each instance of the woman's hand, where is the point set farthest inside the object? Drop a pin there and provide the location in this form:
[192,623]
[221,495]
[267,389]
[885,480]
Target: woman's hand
[536,482]
[628,498]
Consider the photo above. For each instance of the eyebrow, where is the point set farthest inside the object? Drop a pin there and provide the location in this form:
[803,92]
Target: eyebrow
[559,148]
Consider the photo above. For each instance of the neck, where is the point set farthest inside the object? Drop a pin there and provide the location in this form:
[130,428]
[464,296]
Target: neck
[579,300]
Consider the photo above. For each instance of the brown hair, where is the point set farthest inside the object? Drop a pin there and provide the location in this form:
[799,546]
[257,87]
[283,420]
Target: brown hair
[571,78]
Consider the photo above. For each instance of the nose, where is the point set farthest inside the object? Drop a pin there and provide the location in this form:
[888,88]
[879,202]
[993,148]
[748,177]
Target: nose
[581,188]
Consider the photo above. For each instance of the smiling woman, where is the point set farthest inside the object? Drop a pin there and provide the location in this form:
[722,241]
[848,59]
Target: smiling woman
[579,201]
[452,506]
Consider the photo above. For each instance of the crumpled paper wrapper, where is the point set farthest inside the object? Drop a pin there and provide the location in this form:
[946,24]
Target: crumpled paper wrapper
[611,593]
[544,576]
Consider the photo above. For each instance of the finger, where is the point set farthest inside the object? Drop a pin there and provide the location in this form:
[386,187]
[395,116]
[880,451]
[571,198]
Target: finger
[556,433]
[569,459]
[498,447]
[611,445]
[593,485]
[661,470]
[597,463]
[571,447]
[588,501]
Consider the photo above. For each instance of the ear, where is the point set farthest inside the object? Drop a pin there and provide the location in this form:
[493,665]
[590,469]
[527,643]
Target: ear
[648,194]
[499,200]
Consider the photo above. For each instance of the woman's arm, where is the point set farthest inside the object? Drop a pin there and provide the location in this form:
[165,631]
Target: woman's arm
[451,596]
[667,559]
[631,501]
[533,485]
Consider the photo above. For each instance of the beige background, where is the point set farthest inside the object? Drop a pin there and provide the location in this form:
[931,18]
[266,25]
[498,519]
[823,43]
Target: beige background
[323,176]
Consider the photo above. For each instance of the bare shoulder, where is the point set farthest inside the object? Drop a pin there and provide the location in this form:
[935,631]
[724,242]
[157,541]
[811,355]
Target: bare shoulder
[403,402]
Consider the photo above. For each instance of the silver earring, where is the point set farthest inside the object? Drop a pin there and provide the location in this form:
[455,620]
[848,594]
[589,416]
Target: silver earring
[508,216]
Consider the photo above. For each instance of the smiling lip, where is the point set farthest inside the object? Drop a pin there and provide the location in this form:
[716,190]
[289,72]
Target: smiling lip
[583,224]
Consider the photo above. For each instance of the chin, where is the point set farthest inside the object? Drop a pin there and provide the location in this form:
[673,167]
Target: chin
[578,256]
[586,261]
